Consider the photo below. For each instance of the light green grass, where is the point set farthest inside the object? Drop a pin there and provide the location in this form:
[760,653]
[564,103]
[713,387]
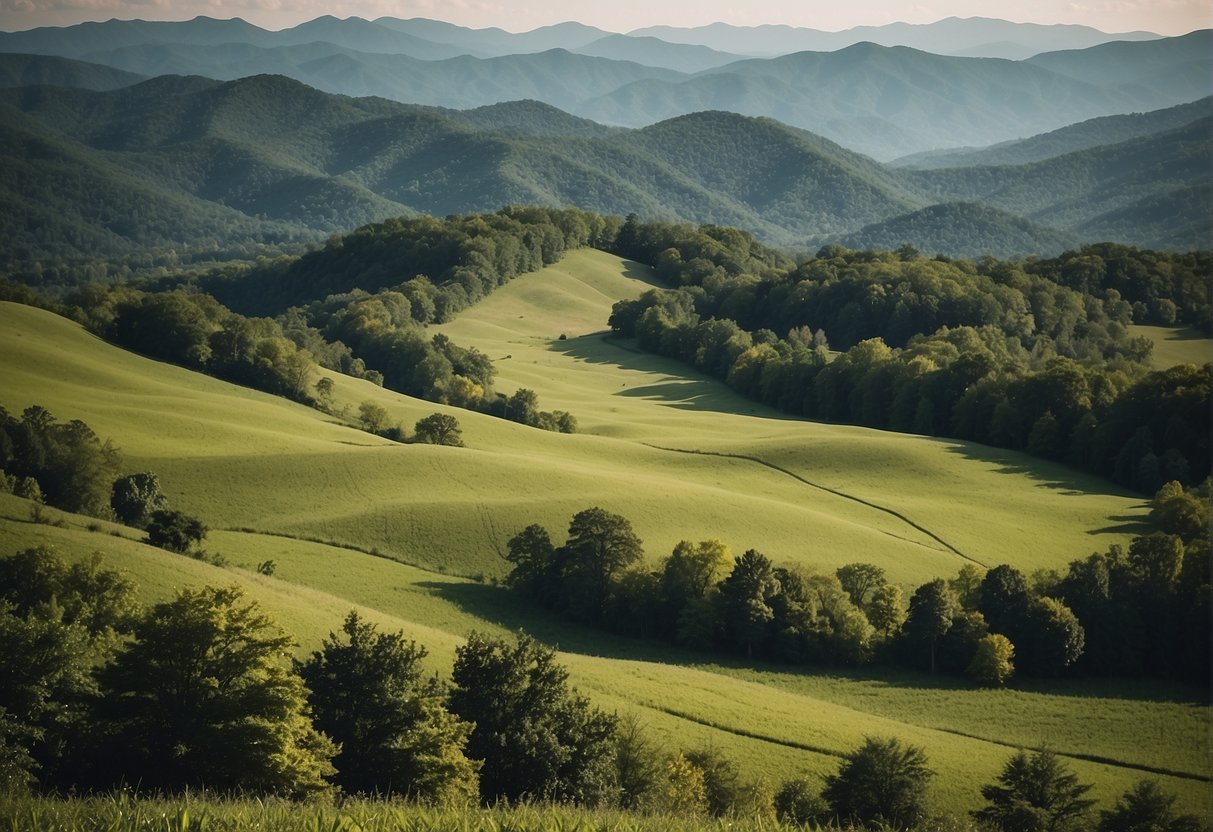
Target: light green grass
[1176,345]
[242,459]
[239,458]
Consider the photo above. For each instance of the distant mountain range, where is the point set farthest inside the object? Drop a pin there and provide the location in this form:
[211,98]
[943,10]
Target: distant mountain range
[966,37]
[195,165]
[886,101]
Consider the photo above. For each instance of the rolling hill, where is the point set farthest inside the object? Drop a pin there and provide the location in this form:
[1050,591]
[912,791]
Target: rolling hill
[267,160]
[1162,179]
[965,230]
[17,70]
[1082,136]
[264,472]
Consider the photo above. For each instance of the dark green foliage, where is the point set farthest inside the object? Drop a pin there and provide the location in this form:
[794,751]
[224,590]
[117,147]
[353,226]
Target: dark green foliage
[1163,288]
[1004,600]
[368,695]
[1052,638]
[536,569]
[746,599]
[600,546]
[174,530]
[1147,808]
[882,781]
[440,266]
[438,429]
[71,467]
[723,787]
[204,696]
[799,802]
[193,330]
[536,738]
[1035,793]
[99,600]
[56,623]
[47,687]
[932,610]
[135,497]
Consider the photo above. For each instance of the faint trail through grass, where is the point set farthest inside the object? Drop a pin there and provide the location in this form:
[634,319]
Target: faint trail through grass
[833,491]
[1090,758]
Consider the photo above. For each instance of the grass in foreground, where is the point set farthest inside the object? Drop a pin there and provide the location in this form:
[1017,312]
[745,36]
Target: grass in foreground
[121,813]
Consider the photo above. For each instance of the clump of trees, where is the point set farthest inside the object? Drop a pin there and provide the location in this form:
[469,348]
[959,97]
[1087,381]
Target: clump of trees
[65,465]
[1122,612]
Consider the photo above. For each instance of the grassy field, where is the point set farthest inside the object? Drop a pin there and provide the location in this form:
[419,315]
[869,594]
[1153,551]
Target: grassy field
[270,472]
[1176,345]
[241,459]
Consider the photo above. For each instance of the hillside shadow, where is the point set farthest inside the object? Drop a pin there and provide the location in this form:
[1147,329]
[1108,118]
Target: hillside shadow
[507,610]
[500,606]
[642,273]
[1190,333]
[1044,474]
[681,387]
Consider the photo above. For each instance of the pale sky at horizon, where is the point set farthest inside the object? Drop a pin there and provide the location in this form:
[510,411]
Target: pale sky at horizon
[1167,17]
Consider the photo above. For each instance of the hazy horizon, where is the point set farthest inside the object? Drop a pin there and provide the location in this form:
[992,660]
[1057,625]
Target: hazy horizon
[1164,17]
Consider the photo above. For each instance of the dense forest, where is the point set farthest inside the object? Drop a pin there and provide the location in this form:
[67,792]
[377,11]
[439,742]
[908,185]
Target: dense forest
[1033,356]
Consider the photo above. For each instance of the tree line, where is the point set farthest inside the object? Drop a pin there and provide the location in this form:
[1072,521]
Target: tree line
[991,352]
[1143,610]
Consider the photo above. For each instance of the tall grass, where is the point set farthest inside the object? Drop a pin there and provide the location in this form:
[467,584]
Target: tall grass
[123,813]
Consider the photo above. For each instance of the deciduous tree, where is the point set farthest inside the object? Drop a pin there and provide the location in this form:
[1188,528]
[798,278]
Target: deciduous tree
[369,695]
[204,696]
[536,737]
[882,781]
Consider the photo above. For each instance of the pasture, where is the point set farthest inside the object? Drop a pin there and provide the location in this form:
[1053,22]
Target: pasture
[677,454]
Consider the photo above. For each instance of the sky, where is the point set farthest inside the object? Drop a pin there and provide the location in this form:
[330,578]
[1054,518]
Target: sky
[1167,17]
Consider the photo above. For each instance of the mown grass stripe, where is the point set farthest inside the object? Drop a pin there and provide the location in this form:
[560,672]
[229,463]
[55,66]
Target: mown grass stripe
[753,735]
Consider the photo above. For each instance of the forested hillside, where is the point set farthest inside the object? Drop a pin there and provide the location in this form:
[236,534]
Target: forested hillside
[247,167]
[1081,136]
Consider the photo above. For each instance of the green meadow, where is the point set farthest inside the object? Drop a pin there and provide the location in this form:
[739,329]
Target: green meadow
[411,534]
[1176,345]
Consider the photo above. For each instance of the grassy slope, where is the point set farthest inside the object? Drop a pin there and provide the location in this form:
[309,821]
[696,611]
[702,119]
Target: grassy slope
[1176,345]
[229,452]
[971,496]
